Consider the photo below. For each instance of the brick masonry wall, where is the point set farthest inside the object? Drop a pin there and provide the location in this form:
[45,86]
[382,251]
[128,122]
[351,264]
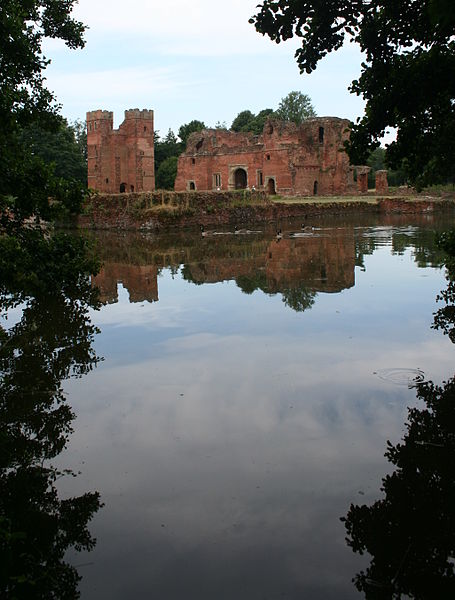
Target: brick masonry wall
[172,210]
[121,158]
[305,159]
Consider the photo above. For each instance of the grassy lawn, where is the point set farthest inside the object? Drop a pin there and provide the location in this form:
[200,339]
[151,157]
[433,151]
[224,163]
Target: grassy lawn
[367,199]
[320,199]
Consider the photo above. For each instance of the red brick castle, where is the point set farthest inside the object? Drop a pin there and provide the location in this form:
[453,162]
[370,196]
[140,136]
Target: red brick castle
[120,160]
[288,159]
[306,159]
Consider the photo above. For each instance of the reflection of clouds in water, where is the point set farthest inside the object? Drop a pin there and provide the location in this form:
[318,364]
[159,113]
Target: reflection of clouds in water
[140,314]
[243,439]
[253,383]
[225,426]
[240,488]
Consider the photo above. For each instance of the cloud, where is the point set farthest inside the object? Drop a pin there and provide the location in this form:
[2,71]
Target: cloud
[177,27]
[117,88]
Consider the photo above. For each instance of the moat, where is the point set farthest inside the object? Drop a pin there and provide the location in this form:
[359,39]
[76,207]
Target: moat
[248,387]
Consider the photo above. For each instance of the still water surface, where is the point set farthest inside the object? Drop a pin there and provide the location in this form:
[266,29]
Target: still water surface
[248,388]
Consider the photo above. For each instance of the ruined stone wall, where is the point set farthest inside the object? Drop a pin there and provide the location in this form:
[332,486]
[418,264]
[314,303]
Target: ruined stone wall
[381,183]
[306,159]
[121,160]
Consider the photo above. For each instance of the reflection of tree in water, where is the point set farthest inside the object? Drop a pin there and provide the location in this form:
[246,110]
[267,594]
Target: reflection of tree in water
[299,298]
[410,533]
[250,283]
[444,317]
[51,342]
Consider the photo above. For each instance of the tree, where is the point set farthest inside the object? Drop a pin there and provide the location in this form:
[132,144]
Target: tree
[186,130]
[65,148]
[257,124]
[27,181]
[166,173]
[80,133]
[295,107]
[166,148]
[407,78]
[377,161]
[242,121]
[248,121]
[299,298]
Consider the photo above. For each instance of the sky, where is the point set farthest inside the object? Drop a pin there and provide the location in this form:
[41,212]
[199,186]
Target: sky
[189,60]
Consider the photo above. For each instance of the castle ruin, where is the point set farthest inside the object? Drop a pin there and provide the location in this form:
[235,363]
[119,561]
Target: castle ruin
[289,159]
[121,160]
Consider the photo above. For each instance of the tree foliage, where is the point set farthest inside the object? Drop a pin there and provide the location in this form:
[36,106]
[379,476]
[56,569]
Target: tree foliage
[248,121]
[407,79]
[169,149]
[187,129]
[165,150]
[65,148]
[27,180]
[377,161]
[242,121]
[166,173]
[295,107]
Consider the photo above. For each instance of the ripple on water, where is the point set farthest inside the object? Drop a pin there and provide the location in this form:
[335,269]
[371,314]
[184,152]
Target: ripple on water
[402,376]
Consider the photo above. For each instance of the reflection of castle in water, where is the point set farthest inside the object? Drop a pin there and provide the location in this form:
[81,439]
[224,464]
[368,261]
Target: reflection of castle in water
[316,262]
[141,281]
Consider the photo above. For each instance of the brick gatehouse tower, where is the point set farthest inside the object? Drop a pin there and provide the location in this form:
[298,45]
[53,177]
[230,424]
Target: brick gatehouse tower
[121,160]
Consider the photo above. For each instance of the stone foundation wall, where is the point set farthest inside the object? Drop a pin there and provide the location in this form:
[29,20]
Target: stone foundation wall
[171,210]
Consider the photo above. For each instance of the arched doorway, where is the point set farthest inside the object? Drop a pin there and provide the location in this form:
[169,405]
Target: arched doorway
[271,186]
[240,179]
[122,188]
[315,188]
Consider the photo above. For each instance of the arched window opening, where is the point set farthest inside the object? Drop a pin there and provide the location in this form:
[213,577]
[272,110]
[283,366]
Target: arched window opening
[271,189]
[240,179]
[122,188]
[321,134]
[191,185]
[315,188]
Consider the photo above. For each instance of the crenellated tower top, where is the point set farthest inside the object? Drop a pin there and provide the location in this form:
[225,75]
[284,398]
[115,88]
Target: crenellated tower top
[135,113]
